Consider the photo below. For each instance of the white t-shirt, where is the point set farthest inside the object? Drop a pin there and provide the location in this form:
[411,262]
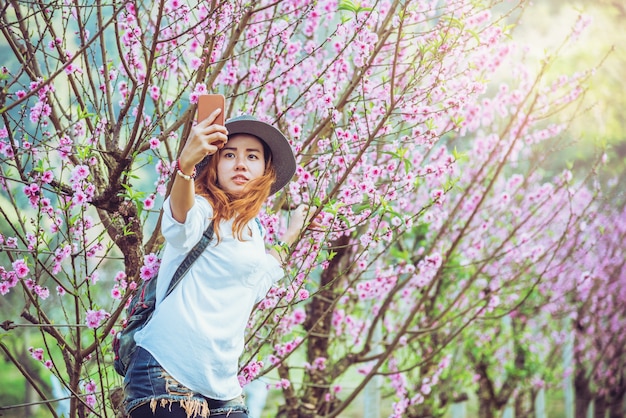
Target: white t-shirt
[197,332]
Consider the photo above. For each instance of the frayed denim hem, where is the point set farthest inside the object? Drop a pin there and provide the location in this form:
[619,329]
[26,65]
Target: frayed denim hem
[194,407]
[146,382]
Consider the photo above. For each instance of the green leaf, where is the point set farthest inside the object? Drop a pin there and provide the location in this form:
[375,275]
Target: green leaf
[453,21]
[351,6]
[459,156]
[83,152]
[83,113]
[458,121]
[39,167]
[345,220]
[348,5]
[450,183]
[474,34]
[407,165]
[397,254]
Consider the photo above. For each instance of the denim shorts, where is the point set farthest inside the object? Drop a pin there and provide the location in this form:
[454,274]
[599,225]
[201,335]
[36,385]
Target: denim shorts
[147,382]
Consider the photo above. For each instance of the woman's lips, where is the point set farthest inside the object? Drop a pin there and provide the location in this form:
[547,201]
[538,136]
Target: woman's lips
[240,179]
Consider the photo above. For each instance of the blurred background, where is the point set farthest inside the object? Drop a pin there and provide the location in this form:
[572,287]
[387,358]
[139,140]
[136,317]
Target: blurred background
[543,27]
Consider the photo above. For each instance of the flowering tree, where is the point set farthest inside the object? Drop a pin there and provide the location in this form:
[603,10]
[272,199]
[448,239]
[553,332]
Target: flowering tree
[599,316]
[529,260]
[434,213]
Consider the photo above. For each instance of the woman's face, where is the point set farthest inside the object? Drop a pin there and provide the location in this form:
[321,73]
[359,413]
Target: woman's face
[241,160]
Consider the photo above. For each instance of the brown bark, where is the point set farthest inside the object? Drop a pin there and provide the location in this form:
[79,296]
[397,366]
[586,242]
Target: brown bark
[319,325]
[583,394]
[486,393]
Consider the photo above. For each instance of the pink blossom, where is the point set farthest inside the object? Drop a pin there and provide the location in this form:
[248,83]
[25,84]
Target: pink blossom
[195,62]
[80,198]
[147,272]
[199,90]
[148,202]
[20,268]
[115,292]
[91,387]
[154,143]
[80,172]
[319,363]
[4,288]
[90,400]
[155,92]
[283,384]
[39,110]
[71,68]
[47,177]
[42,292]
[303,294]
[94,318]
[36,353]
[151,260]
[299,315]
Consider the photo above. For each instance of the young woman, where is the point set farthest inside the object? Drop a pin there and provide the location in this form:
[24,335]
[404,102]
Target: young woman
[186,362]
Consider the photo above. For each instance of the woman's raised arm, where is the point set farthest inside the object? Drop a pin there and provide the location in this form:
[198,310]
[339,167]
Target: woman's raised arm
[206,138]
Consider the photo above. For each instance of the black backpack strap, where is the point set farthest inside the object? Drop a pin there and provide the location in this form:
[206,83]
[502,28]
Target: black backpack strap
[191,256]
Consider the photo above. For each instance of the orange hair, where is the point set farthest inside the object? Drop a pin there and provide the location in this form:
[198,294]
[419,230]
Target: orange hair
[243,208]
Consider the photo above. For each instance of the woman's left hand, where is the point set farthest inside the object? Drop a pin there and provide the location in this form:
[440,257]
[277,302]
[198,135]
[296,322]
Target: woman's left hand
[300,218]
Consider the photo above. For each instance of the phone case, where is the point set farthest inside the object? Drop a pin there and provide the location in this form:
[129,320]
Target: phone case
[207,103]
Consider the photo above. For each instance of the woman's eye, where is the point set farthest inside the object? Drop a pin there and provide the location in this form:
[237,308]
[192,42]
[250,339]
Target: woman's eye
[229,155]
[253,157]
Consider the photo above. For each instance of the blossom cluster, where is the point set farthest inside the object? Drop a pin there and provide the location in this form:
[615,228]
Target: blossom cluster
[430,221]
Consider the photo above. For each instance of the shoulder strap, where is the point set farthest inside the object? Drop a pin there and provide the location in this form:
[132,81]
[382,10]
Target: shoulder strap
[190,258]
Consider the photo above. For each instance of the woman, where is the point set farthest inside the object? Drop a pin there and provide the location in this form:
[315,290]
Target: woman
[186,362]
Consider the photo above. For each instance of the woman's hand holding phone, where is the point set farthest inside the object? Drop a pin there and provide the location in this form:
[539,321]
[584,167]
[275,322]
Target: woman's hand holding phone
[205,138]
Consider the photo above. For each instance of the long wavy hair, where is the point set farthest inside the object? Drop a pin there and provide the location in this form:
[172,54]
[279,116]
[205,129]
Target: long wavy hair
[242,208]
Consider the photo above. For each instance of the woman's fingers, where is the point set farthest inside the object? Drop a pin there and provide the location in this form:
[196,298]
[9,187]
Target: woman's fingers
[214,135]
[204,139]
[212,149]
[210,120]
[218,139]
[209,131]
[305,214]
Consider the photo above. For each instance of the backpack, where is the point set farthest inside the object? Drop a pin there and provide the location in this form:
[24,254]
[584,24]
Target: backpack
[142,306]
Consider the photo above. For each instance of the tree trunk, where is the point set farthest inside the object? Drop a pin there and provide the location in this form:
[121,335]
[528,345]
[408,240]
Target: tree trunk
[485,408]
[617,410]
[486,403]
[600,408]
[583,395]
[319,325]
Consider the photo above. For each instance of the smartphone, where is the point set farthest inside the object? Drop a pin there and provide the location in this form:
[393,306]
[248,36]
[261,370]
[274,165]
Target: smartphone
[207,103]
